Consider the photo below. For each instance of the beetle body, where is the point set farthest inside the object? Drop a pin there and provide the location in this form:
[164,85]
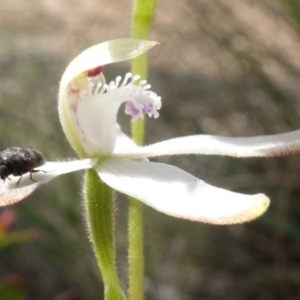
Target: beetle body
[18,161]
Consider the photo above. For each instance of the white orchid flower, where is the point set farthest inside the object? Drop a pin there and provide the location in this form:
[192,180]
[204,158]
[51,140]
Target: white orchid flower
[88,110]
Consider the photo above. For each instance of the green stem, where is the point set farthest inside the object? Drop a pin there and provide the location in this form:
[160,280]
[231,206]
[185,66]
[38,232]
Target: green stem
[143,11]
[99,215]
[136,250]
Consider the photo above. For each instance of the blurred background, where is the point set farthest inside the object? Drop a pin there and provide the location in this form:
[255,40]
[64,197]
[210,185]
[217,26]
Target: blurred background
[225,67]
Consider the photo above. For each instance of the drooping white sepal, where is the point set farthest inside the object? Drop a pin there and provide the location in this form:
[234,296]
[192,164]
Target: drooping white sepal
[177,193]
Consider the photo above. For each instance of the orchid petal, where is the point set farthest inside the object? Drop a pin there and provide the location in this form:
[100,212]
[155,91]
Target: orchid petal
[177,193]
[16,188]
[9,197]
[105,53]
[258,146]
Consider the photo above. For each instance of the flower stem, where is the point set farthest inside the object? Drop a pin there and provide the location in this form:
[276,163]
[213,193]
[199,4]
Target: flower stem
[142,15]
[99,215]
[136,250]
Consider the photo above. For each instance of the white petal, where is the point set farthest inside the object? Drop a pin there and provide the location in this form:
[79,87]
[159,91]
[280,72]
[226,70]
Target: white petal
[106,53]
[12,196]
[258,146]
[179,194]
[50,170]
[16,188]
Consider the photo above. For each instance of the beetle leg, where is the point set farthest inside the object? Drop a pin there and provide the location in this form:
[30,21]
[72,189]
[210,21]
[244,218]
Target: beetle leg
[32,171]
[35,171]
[18,180]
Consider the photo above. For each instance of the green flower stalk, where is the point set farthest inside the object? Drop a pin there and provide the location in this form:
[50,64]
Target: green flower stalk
[142,15]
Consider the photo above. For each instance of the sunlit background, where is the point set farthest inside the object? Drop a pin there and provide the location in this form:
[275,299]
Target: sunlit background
[225,67]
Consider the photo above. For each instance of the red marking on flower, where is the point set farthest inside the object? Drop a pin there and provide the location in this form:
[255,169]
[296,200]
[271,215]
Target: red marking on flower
[94,72]
[72,91]
[73,107]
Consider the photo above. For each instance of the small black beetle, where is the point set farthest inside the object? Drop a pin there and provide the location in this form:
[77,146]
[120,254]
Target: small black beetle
[18,161]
